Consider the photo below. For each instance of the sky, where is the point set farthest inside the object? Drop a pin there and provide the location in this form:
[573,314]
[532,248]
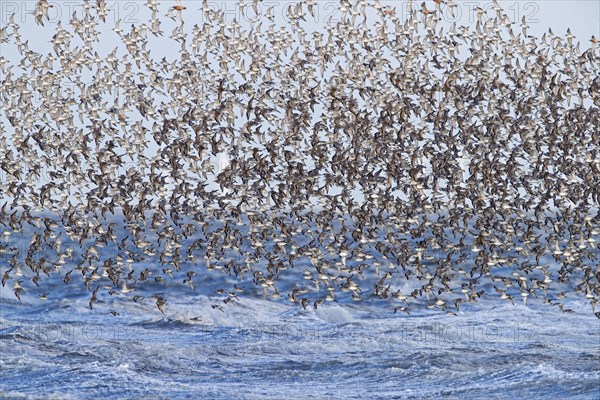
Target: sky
[581,16]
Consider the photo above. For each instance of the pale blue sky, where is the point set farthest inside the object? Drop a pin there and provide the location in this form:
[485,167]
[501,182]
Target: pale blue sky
[582,17]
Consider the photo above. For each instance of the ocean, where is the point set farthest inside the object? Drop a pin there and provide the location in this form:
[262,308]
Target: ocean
[264,348]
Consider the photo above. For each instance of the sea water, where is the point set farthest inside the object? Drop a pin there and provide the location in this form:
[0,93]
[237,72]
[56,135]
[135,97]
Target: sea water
[264,348]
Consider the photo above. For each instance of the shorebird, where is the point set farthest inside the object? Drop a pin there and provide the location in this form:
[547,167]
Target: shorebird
[357,158]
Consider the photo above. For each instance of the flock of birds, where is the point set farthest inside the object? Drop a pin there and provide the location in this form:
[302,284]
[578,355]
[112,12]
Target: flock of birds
[406,159]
